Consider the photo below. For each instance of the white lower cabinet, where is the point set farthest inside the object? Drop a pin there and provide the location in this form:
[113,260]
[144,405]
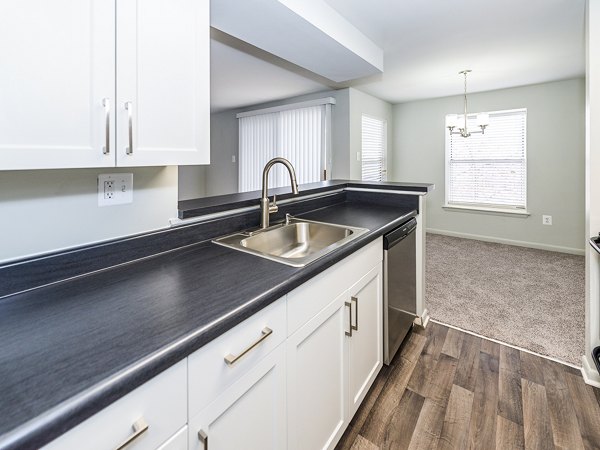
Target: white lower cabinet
[249,415]
[159,403]
[179,441]
[316,379]
[365,352]
[334,358]
[289,377]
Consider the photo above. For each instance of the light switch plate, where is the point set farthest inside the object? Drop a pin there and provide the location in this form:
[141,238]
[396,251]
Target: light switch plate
[115,189]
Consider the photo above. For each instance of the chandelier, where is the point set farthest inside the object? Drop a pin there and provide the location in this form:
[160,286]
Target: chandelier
[453,120]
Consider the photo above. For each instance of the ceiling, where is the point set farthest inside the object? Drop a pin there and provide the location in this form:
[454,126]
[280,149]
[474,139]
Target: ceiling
[506,43]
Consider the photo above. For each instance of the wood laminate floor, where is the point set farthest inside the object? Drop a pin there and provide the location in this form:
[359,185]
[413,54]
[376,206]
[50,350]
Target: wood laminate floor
[447,389]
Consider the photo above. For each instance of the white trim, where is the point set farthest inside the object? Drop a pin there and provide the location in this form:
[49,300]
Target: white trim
[589,372]
[385,191]
[508,345]
[536,245]
[447,161]
[306,104]
[488,210]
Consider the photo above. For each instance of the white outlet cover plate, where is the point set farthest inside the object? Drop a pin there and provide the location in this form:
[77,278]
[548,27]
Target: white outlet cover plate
[547,220]
[123,189]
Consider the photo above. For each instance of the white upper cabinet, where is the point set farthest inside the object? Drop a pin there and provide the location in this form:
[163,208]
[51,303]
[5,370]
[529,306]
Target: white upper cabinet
[69,68]
[163,86]
[58,66]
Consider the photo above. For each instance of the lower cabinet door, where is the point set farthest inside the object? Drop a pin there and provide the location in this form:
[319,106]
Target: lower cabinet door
[179,441]
[316,379]
[249,415]
[365,346]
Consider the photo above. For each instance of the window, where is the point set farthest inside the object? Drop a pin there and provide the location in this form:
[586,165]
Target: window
[373,148]
[296,132]
[489,171]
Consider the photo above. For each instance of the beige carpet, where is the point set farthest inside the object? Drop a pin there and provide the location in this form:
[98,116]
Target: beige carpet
[525,297]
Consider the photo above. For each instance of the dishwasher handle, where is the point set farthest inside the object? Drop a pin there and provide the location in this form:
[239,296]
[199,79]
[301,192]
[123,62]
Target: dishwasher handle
[398,234]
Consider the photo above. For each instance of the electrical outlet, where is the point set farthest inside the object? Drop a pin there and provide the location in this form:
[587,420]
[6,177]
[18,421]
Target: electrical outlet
[115,189]
[547,220]
[109,189]
[232,158]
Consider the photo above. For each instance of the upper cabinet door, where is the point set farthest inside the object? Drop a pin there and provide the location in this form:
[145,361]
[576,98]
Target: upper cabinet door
[163,88]
[57,84]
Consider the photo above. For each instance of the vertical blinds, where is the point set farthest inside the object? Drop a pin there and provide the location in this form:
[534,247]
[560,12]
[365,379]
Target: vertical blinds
[373,148]
[295,134]
[489,169]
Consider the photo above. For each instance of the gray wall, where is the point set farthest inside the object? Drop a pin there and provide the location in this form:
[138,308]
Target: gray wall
[221,177]
[361,103]
[46,210]
[555,159]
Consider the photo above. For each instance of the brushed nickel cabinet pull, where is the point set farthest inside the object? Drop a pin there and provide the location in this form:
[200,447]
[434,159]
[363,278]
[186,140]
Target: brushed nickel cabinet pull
[106,104]
[349,305]
[231,359]
[139,427]
[203,438]
[129,108]
[355,300]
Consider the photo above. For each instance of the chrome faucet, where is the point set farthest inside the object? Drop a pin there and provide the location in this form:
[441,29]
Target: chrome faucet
[267,208]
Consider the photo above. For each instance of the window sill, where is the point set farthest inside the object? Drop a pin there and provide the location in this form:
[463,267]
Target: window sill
[482,209]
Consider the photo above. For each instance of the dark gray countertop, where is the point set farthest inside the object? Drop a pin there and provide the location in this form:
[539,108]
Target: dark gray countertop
[209,205]
[71,348]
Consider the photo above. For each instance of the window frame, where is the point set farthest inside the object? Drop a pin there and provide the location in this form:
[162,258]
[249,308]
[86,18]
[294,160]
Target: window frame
[486,207]
[385,145]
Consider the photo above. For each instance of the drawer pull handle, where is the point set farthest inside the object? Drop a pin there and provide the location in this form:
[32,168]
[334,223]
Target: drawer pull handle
[349,305]
[265,333]
[203,438]
[355,327]
[129,108]
[139,427]
[106,104]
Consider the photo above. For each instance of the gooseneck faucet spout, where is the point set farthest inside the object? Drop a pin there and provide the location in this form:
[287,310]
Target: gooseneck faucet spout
[267,208]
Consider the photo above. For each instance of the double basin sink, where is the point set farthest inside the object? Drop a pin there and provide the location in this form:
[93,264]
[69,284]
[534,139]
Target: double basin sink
[296,242]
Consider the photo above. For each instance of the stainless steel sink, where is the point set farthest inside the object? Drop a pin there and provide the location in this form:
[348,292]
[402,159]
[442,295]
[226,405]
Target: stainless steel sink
[296,243]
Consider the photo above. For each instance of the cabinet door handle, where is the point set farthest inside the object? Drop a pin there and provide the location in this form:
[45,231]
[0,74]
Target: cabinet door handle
[355,327]
[203,438]
[349,305]
[139,427]
[106,104]
[129,108]
[265,333]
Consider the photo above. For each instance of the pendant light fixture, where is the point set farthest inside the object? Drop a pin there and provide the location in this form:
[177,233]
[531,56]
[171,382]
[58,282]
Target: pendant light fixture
[454,120]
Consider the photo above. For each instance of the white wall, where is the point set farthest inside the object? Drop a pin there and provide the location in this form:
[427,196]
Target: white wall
[592,199]
[192,181]
[46,210]
[222,174]
[361,103]
[555,158]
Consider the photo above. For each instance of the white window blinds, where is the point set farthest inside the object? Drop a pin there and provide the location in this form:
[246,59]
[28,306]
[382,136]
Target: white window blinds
[489,169]
[373,148]
[295,134]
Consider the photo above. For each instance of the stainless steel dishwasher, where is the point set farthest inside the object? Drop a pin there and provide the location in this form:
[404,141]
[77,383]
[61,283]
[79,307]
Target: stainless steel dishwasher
[399,291]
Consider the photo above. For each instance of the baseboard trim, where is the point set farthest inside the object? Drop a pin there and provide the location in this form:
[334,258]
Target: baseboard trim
[536,245]
[589,372]
[510,345]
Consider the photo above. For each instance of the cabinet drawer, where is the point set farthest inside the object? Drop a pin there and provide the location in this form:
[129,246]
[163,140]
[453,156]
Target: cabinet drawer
[209,374]
[179,441]
[306,301]
[161,402]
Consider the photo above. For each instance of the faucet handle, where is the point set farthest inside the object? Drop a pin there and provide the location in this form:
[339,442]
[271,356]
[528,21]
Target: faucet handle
[273,208]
